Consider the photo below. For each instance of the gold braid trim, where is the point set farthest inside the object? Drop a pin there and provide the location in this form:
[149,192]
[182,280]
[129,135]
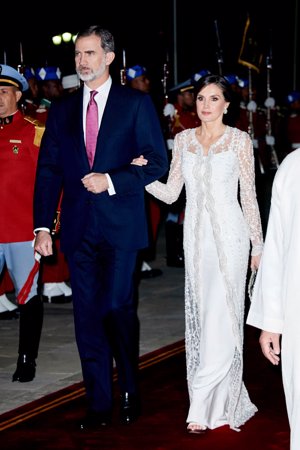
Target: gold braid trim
[39,129]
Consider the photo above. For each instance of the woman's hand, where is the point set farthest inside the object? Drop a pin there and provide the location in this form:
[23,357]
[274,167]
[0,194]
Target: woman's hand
[140,161]
[255,260]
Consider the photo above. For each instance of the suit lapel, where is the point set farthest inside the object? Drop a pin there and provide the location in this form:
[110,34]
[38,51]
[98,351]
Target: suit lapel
[76,117]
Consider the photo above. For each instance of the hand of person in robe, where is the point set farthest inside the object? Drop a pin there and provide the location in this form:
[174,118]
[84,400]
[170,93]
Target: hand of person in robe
[270,346]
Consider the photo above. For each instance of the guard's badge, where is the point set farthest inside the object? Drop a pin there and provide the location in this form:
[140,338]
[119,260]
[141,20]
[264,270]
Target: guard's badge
[15,148]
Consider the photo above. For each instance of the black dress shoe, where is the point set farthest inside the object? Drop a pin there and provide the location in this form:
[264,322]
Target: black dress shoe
[9,315]
[151,273]
[177,261]
[129,408]
[94,421]
[25,369]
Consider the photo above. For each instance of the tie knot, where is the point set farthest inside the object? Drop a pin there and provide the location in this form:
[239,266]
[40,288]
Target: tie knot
[92,97]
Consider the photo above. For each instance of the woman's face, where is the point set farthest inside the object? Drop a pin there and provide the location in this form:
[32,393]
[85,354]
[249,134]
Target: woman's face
[211,103]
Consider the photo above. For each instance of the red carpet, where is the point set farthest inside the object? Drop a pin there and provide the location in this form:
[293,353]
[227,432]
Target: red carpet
[49,423]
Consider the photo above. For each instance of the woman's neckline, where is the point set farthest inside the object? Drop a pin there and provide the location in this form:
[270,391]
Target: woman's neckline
[206,150]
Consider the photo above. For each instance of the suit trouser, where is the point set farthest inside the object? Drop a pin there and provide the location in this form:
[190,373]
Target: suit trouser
[105,315]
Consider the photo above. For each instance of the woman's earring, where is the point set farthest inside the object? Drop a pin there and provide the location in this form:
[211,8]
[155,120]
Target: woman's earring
[225,111]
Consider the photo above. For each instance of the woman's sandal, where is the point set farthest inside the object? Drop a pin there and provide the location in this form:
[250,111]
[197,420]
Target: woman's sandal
[195,428]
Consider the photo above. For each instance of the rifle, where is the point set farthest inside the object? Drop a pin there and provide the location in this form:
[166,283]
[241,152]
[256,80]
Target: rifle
[251,124]
[219,51]
[21,70]
[123,70]
[168,121]
[268,103]
[21,67]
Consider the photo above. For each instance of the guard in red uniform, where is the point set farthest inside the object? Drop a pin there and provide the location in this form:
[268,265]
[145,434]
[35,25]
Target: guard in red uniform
[55,271]
[137,78]
[19,143]
[8,309]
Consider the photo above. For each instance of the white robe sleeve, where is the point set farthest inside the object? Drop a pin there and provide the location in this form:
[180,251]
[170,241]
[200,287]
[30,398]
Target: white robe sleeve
[267,309]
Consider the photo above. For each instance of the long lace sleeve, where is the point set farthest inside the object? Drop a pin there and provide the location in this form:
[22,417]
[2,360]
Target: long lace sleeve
[169,192]
[248,193]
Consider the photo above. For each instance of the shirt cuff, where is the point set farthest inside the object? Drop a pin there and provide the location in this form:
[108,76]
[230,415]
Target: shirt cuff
[40,229]
[111,189]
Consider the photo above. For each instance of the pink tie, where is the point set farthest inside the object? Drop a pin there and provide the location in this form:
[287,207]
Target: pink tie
[91,128]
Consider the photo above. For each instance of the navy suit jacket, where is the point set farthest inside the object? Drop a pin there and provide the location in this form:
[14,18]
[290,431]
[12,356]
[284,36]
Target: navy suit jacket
[130,127]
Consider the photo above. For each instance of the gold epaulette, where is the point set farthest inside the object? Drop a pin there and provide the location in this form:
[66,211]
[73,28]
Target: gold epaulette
[39,129]
[176,119]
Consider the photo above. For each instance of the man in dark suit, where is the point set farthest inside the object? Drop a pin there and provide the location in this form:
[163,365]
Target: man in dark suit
[103,221]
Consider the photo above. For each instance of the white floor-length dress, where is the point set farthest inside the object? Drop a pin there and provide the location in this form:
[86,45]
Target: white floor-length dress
[217,235]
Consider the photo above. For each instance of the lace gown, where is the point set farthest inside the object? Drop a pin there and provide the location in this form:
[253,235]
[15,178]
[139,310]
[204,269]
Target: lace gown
[217,235]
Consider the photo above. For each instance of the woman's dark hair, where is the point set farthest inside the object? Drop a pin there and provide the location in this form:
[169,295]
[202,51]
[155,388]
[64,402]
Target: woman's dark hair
[219,81]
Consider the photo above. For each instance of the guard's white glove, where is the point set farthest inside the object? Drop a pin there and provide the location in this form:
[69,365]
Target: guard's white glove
[169,110]
[252,106]
[270,140]
[170,144]
[255,143]
[270,102]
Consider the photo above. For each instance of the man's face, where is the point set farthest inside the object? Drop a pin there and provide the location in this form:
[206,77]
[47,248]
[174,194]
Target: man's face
[188,99]
[52,89]
[142,83]
[91,61]
[9,97]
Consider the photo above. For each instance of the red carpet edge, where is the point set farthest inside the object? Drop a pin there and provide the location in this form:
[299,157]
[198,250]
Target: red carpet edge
[51,401]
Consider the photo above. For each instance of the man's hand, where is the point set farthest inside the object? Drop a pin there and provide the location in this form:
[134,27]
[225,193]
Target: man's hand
[270,346]
[95,182]
[140,161]
[43,243]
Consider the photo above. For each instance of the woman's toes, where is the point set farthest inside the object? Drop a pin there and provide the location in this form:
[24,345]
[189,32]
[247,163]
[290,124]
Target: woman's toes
[196,428]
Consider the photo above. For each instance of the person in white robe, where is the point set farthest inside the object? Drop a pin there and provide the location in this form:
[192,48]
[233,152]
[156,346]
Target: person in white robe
[275,305]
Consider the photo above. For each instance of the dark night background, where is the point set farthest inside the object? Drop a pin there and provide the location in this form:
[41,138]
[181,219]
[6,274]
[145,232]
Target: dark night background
[145,30]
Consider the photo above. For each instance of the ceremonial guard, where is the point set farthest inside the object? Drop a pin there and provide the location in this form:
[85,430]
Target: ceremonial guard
[55,270]
[8,309]
[293,121]
[32,98]
[262,123]
[137,78]
[20,138]
[70,83]
[28,106]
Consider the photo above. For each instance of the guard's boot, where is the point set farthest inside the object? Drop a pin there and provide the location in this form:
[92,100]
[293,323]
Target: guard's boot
[30,327]
[174,244]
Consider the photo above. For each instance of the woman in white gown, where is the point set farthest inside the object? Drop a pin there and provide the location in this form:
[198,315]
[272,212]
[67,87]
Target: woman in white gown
[213,161]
